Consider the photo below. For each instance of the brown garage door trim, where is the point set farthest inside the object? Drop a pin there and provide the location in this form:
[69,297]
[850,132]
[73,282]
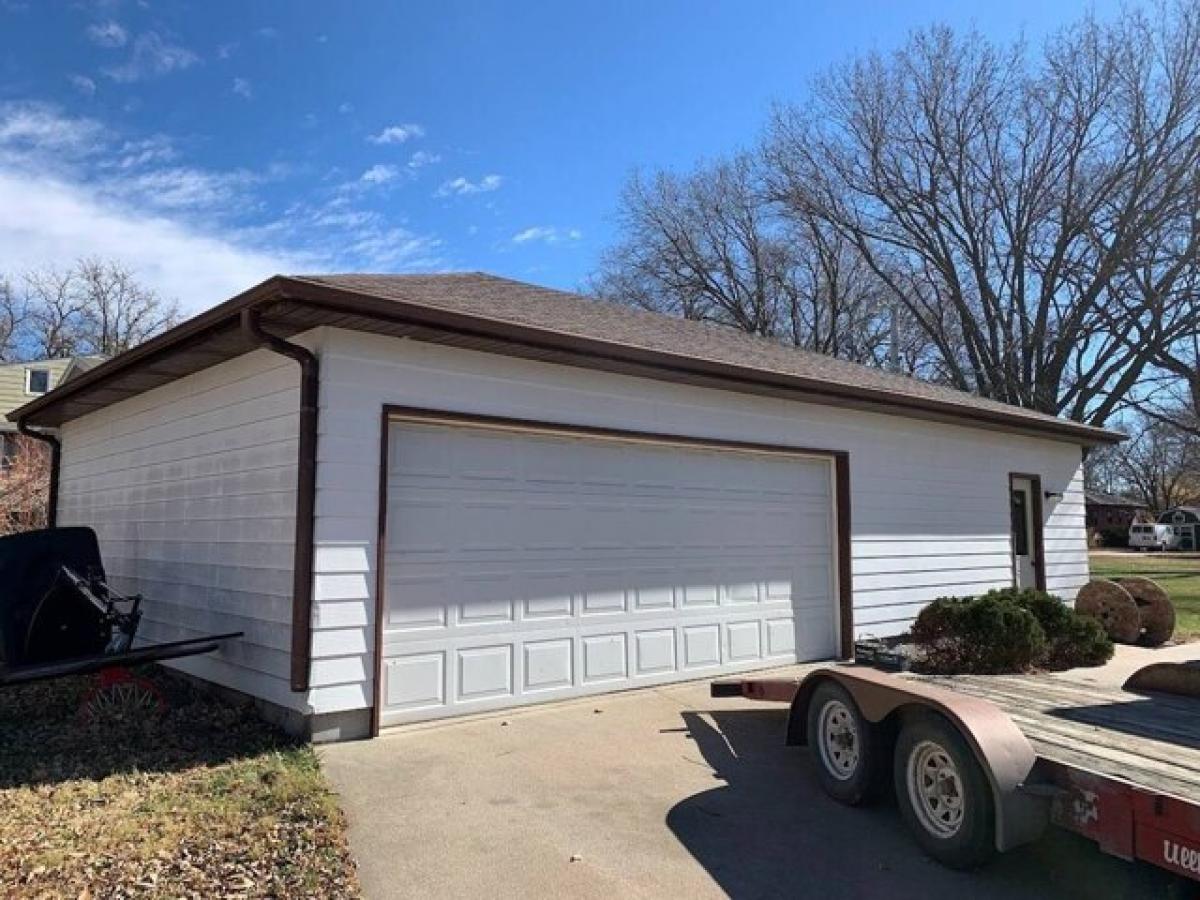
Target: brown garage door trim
[393,413]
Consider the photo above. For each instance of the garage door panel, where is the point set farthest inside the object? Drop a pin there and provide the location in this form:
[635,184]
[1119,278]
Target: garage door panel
[780,637]
[416,601]
[485,672]
[655,590]
[548,594]
[701,646]
[549,664]
[605,657]
[654,652]
[743,641]
[522,566]
[415,681]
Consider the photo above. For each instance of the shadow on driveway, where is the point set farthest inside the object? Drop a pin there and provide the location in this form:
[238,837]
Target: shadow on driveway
[769,831]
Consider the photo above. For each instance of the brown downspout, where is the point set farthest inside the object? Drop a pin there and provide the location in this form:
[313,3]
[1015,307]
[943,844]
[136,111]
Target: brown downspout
[55,461]
[306,490]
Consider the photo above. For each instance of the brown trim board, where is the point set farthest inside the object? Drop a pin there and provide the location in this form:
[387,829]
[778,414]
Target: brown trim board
[294,304]
[840,460]
[1038,537]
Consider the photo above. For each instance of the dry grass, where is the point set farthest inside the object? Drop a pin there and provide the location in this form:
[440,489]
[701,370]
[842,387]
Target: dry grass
[206,802]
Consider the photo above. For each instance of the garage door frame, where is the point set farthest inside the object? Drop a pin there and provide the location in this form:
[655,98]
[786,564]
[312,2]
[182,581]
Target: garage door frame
[392,413]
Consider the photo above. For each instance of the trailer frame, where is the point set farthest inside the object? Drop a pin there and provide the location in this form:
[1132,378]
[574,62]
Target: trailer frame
[1031,791]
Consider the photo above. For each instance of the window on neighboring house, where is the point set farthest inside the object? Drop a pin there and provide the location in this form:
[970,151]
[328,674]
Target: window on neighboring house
[37,381]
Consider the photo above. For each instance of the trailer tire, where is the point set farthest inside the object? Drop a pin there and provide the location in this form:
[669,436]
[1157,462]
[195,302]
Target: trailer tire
[851,763]
[943,793]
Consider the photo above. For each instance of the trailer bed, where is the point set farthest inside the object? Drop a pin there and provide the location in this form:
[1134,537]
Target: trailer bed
[1150,741]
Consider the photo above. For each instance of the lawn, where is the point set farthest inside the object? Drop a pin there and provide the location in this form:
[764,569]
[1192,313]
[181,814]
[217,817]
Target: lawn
[204,801]
[1178,574]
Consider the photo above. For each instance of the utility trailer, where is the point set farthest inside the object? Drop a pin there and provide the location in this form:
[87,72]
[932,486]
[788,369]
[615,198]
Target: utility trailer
[982,764]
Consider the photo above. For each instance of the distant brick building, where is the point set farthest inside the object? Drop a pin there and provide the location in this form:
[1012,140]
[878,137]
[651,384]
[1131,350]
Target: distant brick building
[1108,512]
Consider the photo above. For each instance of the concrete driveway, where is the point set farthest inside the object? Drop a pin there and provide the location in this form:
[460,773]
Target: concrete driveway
[661,792]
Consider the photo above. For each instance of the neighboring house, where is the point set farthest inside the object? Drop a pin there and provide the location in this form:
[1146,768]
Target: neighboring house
[24,462]
[1108,512]
[459,493]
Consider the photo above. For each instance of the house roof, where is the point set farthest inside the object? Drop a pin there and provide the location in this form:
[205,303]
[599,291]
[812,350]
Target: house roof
[484,312]
[1098,498]
[13,383]
[81,364]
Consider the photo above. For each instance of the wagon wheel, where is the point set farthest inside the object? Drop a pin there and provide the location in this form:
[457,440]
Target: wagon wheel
[1155,608]
[119,695]
[1113,606]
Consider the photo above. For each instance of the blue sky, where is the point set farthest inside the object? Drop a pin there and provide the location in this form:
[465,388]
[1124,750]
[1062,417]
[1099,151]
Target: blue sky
[209,145]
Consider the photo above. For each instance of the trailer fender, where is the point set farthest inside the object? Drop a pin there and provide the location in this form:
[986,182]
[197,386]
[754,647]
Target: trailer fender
[1004,753]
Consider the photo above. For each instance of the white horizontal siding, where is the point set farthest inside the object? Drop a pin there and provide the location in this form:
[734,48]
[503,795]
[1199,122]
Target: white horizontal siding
[930,503]
[191,488]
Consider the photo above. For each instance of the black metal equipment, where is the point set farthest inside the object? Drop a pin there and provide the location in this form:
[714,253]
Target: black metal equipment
[59,617]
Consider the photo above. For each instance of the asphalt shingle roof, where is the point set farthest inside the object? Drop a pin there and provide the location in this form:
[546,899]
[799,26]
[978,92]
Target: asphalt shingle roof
[501,299]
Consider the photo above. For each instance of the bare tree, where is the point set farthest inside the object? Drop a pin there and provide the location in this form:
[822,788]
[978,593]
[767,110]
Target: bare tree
[1038,219]
[54,306]
[12,316]
[118,312]
[1160,465]
[24,485]
[709,246]
[95,307]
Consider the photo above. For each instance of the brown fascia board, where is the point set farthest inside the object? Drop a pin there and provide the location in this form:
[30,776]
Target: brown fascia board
[354,303]
[585,350]
[221,317]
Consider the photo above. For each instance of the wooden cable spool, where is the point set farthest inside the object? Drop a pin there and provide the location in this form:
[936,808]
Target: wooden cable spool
[1113,606]
[1155,609]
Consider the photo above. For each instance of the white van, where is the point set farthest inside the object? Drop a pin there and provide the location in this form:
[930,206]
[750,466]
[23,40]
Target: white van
[1155,536]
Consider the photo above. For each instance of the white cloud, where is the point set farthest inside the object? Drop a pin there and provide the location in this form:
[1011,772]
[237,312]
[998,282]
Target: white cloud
[546,234]
[462,185]
[152,56]
[52,222]
[423,158]
[39,128]
[397,134]
[268,32]
[83,84]
[181,188]
[241,87]
[380,174]
[107,34]
[147,151]
[346,108]
[70,187]
[226,50]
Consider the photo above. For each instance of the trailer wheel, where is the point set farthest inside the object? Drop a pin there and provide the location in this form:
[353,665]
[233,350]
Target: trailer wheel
[943,794]
[845,745]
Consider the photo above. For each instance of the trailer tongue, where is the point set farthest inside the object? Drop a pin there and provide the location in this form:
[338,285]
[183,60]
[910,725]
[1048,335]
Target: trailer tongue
[59,617]
[984,764]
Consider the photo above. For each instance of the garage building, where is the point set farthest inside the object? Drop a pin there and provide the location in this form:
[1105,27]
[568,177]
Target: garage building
[427,496]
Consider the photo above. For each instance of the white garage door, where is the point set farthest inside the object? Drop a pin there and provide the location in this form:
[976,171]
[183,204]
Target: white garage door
[523,566]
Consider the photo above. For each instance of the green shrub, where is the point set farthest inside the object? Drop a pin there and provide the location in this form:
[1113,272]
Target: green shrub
[1007,630]
[982,635]
[1071,639]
